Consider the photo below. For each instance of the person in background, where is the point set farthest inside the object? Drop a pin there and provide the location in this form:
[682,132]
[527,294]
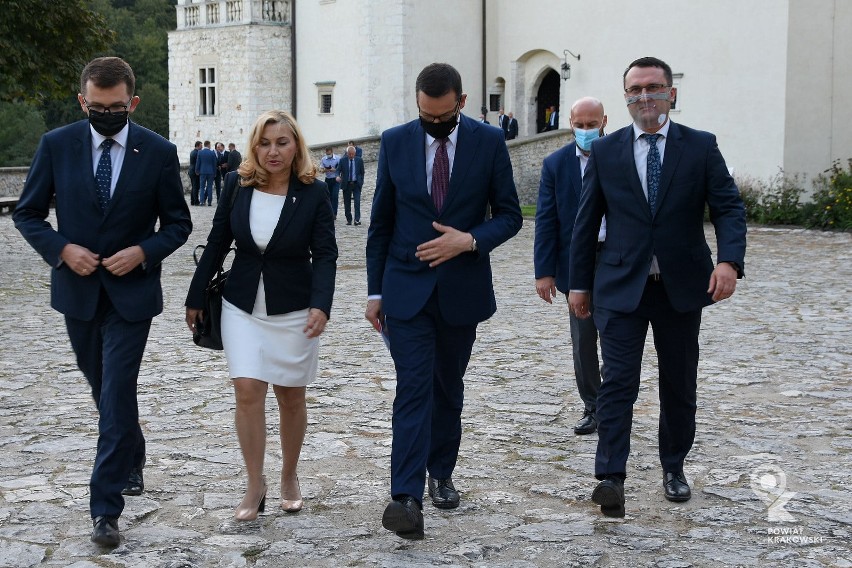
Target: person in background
[329,165]
[558,201]
[193,177]
[350,176]
[120,211]
[278,297]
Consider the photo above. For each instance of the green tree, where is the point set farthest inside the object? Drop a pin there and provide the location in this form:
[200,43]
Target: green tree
[44,44]
[21,127]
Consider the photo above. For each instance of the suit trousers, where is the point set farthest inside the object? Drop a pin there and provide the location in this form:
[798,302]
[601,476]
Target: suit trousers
[584,348]
[333,194]
[206,191]
[352,192]
[109,352]
[431,357]
[195,183]
[622,337]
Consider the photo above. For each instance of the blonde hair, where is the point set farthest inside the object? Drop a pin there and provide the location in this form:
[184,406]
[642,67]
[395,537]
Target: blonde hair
[303,167]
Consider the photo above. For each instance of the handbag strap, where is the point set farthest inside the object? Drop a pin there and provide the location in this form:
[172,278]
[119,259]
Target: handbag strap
[232,197]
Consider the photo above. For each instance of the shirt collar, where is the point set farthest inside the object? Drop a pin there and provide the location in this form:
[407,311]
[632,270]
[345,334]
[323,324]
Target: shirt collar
[121,137]
[664,131]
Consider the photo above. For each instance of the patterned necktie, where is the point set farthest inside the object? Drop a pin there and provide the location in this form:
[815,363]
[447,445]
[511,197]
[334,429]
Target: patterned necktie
[654,169]
[103,174]
[440,175]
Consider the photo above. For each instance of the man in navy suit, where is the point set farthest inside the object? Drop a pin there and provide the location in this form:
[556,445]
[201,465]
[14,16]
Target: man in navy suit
[206,166]
[558,200]
[429,279]
[350,176]
[652,180]
[114,182]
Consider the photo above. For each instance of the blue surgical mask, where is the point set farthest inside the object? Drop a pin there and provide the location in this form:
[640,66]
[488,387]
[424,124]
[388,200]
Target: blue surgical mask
[584,137]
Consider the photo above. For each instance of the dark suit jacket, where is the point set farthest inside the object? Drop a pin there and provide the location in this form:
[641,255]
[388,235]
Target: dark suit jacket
[343,171]
[694,174]
[193,159]
[148,191]
[558,202]
[298,266]
[403,213]
[512,131]
[234,160]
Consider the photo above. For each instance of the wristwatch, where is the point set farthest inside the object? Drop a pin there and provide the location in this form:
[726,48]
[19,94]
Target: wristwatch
[473,246]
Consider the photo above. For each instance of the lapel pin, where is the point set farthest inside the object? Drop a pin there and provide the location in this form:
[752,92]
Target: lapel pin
[294,199]
[135,151]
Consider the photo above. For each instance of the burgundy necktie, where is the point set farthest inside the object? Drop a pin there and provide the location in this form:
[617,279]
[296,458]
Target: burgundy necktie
[440,175]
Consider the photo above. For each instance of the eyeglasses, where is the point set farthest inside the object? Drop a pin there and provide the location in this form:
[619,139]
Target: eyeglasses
[443,118]
[100,109]
[652,89]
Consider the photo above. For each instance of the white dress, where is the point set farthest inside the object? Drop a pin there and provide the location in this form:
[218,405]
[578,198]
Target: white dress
[273,349]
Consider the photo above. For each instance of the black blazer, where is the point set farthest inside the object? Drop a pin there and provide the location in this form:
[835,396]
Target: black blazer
[298,266]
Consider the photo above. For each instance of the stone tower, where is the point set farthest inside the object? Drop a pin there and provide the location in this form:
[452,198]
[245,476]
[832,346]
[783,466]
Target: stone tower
[229,60]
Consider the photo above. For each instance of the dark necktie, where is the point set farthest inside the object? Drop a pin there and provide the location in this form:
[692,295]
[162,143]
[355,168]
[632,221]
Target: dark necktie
[654,169]
[103,174]
[351,170]
[440,175]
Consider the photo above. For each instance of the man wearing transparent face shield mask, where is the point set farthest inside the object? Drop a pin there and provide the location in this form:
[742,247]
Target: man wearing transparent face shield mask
[652,180]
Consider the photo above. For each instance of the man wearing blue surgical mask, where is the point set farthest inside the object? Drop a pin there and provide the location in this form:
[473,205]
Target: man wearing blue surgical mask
[558,202]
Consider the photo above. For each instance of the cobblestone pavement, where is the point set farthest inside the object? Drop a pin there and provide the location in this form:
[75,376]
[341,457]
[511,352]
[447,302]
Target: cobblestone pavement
[775,397]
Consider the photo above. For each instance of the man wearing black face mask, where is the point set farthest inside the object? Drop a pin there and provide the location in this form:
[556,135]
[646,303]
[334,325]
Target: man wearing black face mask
[429,279]
[113,182]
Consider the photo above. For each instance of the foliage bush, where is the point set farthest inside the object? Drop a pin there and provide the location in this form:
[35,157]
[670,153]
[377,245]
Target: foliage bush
[778,201]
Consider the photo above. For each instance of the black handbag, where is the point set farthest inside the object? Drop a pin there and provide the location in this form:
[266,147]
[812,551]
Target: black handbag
[208,330]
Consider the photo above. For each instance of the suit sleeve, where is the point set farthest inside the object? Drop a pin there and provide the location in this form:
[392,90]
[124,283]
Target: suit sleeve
[381,223]
[172,210]
[33,207]
[727,212]
[546,224]
[506,218]
[324,255]
[218,240]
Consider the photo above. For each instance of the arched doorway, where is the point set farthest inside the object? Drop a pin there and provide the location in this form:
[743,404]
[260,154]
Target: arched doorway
[548,95]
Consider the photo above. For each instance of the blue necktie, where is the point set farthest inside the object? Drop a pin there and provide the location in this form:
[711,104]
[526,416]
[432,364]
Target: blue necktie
[440,175]
[103,174]
[654,170]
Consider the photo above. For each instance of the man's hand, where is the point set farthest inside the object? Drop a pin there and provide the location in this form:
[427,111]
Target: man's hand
[316,323]
[723,282]
[374,314]
[578,304]
[125,260]
[449,245]
[80,259]
[546,288]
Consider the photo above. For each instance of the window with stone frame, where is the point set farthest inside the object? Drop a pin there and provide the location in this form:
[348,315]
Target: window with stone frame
[207,91]
[325,97]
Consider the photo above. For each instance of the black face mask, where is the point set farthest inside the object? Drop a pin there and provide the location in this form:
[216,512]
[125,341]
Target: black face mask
[108,123]
[440,129]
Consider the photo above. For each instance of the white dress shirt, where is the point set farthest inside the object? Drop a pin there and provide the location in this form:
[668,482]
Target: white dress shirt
[641,146]
[116,152]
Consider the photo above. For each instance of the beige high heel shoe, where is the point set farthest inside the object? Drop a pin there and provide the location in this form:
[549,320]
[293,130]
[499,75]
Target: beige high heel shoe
[292,505]
[245,513]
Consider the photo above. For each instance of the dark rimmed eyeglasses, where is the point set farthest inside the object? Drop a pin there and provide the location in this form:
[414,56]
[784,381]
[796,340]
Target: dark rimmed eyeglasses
[100,109]
[443,118]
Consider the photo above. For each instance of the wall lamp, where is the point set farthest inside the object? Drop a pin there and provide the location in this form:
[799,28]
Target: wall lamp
[566,69]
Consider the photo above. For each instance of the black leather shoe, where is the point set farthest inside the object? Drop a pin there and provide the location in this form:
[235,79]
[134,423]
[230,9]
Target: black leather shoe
[676,487]
[105,531]
[404,517]
[588,424]
[348,222]
[135,483]
[357,222]
[443,493]
[609,494]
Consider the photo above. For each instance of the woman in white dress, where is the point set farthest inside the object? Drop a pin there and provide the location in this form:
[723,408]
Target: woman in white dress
[278,296]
